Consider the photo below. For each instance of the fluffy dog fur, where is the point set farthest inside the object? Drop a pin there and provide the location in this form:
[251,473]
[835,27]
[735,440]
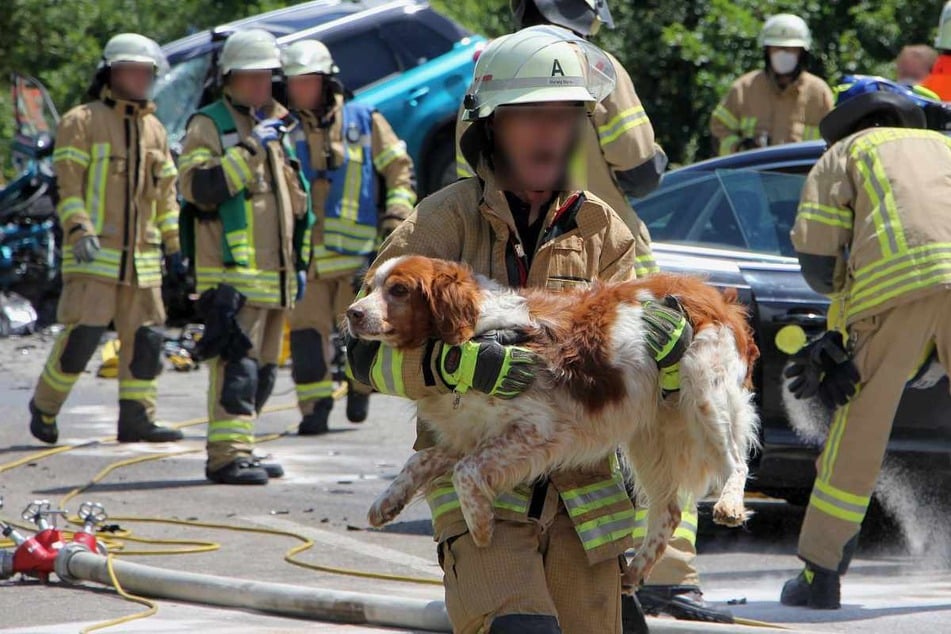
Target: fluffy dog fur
[600,391]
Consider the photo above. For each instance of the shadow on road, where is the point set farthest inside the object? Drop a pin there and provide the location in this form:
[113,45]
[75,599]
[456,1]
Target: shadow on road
[148,485]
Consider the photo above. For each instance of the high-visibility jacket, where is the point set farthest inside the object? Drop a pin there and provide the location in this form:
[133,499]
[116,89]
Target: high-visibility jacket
[116,180]
[342,154]
[583,240]
[877,202]
[221,166]
[619,139]
[939,80]
[756,112]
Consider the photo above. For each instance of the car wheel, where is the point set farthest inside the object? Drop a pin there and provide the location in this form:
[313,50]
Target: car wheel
[440,168]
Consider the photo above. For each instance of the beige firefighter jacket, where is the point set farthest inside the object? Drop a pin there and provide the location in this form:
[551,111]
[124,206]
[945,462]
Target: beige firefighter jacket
[215,169]
[116,180]
[756,112]
[390,160]
[877,202]
[471,222]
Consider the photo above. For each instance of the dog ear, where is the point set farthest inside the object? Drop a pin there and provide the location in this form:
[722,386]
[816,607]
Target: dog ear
[453,295]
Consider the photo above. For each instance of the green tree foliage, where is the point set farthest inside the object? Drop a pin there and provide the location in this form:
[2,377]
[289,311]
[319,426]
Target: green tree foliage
[684,54]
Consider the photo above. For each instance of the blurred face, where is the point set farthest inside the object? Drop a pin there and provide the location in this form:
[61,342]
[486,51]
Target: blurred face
[251,88]
[131,80]
[536,142]
[784,59]
[305,91]
[912,69]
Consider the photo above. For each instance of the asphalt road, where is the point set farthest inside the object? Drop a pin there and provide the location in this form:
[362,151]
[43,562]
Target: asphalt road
[329,484]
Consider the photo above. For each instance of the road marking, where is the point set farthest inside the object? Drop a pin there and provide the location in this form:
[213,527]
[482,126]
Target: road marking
[337,540]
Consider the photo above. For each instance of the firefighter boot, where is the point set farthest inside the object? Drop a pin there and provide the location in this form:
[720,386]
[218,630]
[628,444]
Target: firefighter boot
[358,405]
[684,603]
[135,426]
[241,470]
[315,423]
[43,427]
[814,587]
[273,469]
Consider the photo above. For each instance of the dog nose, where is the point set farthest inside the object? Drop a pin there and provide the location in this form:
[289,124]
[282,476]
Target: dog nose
[355,315]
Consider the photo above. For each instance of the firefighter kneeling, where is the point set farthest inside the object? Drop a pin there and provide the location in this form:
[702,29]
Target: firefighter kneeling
[874,232]
[249,212]
[344,149]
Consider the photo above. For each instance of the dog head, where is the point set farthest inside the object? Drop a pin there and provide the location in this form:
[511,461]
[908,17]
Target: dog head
[413,298]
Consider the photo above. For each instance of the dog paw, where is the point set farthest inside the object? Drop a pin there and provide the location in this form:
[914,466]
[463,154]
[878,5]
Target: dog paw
[730,514]
[382,511]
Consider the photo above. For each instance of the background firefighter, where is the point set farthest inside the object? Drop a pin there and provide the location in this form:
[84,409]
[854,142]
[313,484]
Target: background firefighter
[345,150]
[117,207]
[249,211]
[781,103]
[873,231]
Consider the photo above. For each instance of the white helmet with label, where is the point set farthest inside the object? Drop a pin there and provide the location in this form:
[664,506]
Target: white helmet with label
[540,64]
[132,48]
[253,49]
[943,41]
[306,57]
[786,29]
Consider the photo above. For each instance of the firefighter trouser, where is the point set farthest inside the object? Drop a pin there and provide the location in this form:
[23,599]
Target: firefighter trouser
[233,386]
[86,308]
[677,566]
[532,568]
[312,322]
[888,347]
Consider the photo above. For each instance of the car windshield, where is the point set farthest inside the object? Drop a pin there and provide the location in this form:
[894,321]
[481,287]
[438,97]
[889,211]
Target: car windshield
[736,209]
[177,95]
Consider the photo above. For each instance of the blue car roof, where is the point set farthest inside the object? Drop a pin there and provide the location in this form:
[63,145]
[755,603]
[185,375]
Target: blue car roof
[775,157]
[280,22]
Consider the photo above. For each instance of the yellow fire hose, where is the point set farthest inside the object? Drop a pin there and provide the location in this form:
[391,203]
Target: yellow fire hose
[116,543]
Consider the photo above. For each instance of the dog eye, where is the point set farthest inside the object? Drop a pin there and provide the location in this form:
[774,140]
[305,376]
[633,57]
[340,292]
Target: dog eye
[399,290]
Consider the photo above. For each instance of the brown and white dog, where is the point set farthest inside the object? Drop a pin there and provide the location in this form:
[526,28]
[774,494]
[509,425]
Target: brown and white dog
[600,391]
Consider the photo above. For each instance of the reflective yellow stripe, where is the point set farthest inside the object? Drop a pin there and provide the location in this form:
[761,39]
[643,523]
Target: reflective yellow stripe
[231,430]
[314,391]
[831,450]
[728,144]
[353,179]
[593,497]
[442,498]
[198,155]
[724,116]
[259,286]
[347,235]
[838,503]
[148,266]
[400,196]
[167,221]
[827,215]
[69,207]
[811,133]
[59,381]
[606,529]
[105,264]
[168,170]
[748,127]
[687,529]
[387,156]
[136,390]
[237,171]
[621,123]
[645,265]
[73,154]
[890,277]
[386,373]
[884,214]
[336,263]
[96,185]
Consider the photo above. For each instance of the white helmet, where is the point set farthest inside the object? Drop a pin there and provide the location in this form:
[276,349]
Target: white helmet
[133,48]
[253,49]
[943,41]
[785,29]
[306,57]
[538,64]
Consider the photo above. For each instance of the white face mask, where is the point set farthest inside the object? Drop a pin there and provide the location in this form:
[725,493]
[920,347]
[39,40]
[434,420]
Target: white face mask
[783,62]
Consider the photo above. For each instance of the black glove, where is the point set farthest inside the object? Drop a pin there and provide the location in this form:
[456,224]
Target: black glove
[490,363]
[668,334]
[839,385]
[813,361]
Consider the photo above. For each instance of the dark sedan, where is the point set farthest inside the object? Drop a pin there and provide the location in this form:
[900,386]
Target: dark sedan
[729,219]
